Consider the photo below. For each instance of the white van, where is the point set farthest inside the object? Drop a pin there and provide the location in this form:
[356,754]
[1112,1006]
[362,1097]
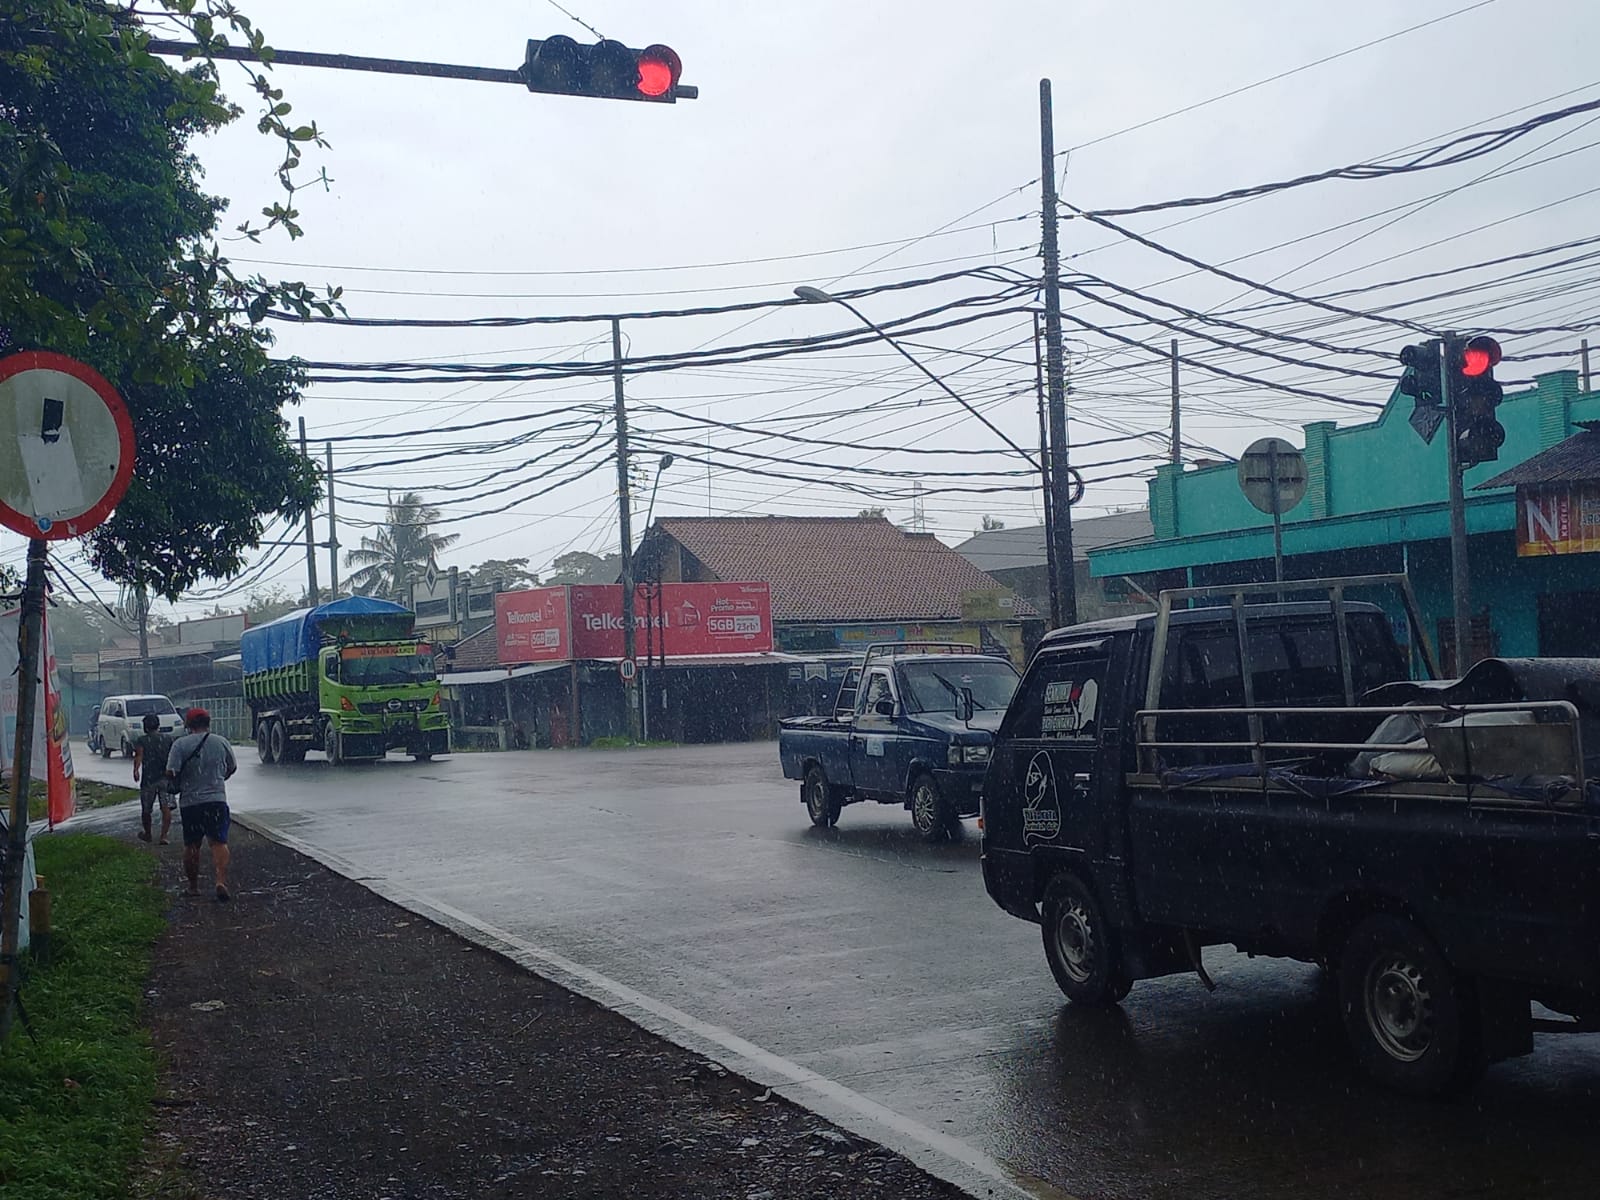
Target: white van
[122,721]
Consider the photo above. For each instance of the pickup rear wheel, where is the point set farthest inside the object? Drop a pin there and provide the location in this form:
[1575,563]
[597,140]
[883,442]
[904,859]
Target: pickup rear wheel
[821,798]
[1083,950]
[931,813]
[1409,1017]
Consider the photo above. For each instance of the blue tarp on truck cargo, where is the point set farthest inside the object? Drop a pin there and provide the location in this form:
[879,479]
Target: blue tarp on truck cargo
[296,637]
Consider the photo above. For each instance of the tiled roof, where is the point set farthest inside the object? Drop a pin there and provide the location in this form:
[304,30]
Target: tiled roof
[1576,460]
[1003,549]
[478,652]
[836,568]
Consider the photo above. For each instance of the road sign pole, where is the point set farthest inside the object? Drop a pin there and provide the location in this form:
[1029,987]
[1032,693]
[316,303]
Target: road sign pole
[30,655]
[1460,575]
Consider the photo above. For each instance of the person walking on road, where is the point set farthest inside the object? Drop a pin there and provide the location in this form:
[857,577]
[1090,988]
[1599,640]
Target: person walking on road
[150,753]
[198,767]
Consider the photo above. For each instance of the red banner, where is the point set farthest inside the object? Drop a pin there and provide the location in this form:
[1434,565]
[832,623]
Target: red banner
[52,748]
[533,626]
[681,620]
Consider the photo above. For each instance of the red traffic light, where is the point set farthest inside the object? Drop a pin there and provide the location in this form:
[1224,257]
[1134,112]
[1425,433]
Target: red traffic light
[1480,356]
[659,68]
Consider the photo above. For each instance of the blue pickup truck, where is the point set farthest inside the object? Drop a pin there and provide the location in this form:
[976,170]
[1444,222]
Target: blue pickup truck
[913,725]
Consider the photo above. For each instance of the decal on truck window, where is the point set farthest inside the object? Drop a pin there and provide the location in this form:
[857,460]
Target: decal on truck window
[1041,812]
[1069,709]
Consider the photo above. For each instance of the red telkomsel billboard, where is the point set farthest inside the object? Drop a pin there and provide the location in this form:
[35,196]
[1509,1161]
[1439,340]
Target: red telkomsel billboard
[585,621]
[533,626]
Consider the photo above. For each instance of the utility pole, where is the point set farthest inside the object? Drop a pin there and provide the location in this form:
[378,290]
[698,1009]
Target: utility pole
[1584,360]
[141,600]
[1044,467]
[1176,453]
[1460,577]
[1061,566]
[625,521]
[30,660]
[311,533]
[333,530]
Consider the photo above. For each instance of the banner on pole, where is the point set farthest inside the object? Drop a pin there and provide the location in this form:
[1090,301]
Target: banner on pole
[52,745]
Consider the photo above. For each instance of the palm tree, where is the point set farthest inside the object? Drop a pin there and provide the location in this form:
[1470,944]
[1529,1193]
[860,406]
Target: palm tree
[399,550]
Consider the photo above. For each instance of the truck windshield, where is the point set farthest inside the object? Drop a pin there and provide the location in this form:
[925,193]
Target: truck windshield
[935,687]
[386,667]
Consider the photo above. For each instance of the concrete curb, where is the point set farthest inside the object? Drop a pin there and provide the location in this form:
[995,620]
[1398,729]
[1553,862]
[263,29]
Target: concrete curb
[939,1154]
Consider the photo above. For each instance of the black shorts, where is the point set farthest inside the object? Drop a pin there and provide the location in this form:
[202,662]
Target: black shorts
[209,820]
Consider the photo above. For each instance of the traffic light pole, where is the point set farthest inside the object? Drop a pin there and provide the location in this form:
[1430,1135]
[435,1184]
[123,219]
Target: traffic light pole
[625,521]
[1058,496]
[1460,578]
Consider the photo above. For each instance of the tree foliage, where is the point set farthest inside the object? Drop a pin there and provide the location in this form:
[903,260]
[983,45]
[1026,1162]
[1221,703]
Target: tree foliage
[399,550]
[512,573]
[108,253]
[578,567]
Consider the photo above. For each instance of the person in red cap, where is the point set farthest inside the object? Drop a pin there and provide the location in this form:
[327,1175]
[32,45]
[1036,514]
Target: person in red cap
[199,765]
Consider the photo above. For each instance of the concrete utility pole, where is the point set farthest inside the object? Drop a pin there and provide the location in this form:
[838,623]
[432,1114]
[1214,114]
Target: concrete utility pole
[333,530]
[1044,466]
[1584,360]
[141,598]
[31,659]
[625,522]
[1176,452]
[1061,565]
[1460,576]
[311,532]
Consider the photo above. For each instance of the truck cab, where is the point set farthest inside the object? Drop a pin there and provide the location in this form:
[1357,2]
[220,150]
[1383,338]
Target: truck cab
[912,726]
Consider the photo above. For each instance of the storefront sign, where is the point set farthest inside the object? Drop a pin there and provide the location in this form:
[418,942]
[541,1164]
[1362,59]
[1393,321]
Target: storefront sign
[678,620]
[1558,519]
[533,626]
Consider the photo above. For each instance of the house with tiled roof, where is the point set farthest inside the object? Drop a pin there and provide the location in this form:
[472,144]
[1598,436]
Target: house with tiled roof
[839,583]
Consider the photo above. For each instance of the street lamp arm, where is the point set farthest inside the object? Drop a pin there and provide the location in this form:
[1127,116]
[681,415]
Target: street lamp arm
[818,296]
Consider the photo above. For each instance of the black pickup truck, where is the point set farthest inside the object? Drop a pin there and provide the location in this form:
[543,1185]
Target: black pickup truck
[1263,775]
[912,726]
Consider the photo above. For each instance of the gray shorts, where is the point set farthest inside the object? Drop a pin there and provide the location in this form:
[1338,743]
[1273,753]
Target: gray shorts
[149,796]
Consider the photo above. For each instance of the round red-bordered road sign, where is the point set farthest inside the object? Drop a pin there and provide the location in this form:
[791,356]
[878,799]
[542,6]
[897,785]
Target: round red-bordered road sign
[66,446]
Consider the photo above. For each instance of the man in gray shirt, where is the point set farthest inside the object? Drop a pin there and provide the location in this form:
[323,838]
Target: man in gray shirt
[199,765]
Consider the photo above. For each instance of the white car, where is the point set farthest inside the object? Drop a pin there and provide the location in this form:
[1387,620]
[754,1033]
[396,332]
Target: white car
[122,721]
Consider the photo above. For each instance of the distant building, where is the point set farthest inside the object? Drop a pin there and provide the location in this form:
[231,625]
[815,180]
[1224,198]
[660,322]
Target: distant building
[1019,558]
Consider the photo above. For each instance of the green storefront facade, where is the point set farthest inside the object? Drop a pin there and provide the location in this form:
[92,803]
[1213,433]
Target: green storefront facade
[1376,501]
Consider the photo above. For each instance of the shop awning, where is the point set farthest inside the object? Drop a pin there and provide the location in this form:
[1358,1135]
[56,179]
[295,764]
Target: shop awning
[498,674]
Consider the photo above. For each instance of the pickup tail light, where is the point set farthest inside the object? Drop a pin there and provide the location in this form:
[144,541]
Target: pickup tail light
[345,705]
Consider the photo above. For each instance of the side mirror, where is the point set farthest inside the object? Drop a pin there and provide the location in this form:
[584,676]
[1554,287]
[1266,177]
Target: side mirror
[884,708]
[964,706]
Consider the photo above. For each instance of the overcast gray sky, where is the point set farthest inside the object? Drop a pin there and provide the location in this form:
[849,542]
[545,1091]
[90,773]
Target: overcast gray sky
[826,126]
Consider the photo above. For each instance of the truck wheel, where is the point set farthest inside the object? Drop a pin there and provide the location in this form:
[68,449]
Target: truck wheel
[278,742]
[331,746]
[1408,1016]
[930,813]
[822,802]
[1080,945]
[264,743]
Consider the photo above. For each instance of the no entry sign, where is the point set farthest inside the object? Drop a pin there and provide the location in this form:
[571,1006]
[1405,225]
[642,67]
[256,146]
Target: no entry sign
[66,446]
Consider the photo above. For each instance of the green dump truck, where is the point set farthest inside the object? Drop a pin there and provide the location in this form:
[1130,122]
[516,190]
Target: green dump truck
[349,678]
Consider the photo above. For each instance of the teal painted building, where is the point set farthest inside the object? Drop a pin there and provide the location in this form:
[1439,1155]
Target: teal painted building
[1376,501]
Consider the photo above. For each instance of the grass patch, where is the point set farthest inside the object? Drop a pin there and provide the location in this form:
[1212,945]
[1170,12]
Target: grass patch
[74,1105]
[622,743]
[91,794]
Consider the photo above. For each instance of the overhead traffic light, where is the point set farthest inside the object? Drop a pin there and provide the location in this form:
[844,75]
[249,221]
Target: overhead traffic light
[1421,383]
[1474,397]
[607,70]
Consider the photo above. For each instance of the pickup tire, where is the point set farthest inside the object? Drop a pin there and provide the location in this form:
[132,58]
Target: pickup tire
[1410,1019]
[821,798]
[1083,950]
[264,742]
[931,814]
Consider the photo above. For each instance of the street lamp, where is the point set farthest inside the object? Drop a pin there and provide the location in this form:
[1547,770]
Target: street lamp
[813,295]
[666,462]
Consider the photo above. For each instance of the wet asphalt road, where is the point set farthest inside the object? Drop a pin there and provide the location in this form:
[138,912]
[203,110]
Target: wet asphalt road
[693,876]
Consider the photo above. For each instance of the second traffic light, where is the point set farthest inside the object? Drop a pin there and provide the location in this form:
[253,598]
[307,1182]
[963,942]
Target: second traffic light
[606,70]
[1475,394]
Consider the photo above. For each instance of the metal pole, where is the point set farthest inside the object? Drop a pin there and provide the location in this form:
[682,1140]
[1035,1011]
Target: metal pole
[30,657]
[311,533]
[625,521]
[333,531]
[1460,578]
[1175,454]
[1277,515]
[1584,359]
[1044,469]
[1061,565]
